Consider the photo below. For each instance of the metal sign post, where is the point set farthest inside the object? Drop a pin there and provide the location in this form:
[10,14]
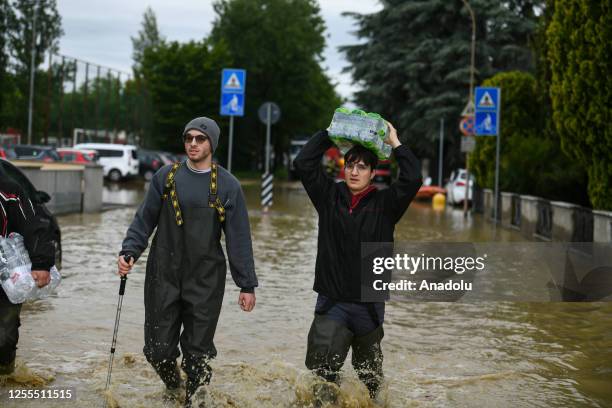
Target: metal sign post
[441,152]
[487,123]
[269,113]
[233,86]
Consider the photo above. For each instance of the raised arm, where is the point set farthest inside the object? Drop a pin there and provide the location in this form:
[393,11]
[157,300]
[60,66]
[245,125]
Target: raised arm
[308,167]
[400,193]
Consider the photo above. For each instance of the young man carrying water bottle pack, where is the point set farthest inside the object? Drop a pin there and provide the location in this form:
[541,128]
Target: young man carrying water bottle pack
[350,212]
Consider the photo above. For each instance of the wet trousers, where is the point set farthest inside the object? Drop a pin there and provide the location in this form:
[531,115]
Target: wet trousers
[336,328]
[9,333]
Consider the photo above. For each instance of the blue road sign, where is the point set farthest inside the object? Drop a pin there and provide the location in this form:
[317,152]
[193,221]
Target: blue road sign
[487,101]
[233,85]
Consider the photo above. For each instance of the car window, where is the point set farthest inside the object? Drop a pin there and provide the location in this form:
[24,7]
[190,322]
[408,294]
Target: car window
[134,154]
[110,153]
[53,154]
[67,156]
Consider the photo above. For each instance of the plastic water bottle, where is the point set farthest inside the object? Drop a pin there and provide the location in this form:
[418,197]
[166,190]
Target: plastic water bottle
[350,127]
[45,291]
[18,245]
[15,266]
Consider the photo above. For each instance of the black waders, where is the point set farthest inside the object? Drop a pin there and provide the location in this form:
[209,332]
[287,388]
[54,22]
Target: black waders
[184,285]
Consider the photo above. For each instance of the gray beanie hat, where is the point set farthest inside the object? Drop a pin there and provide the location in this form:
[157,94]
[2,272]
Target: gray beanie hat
[208,127]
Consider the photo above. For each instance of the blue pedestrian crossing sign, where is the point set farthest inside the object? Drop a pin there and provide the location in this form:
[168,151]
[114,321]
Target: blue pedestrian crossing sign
[233,86]
[486,119]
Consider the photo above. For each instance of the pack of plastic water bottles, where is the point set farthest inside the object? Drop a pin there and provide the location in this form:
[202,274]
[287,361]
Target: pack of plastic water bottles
[15,272]
[349,127]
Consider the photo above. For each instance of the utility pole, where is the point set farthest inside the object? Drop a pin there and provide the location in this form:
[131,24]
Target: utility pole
[32,72]
[472,62]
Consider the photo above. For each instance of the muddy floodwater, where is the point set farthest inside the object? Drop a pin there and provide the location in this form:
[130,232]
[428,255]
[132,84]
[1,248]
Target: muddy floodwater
[487,354]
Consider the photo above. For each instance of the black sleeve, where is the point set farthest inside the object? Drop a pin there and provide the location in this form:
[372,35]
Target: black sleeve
[35,228]
[310,171]
[146,218]
[401,192]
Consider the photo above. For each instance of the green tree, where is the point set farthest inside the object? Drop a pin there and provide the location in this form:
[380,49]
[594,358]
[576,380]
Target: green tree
[19,32]
[148,37]
[5,85]
[48,31]
[280,43]
[531,160]
[414,63]
[579,52]
[183,81]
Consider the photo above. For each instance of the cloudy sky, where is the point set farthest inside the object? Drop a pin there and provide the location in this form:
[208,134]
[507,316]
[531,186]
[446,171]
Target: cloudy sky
[99,31]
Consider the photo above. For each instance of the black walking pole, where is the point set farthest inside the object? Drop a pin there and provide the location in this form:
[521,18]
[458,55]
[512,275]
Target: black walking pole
[114,343]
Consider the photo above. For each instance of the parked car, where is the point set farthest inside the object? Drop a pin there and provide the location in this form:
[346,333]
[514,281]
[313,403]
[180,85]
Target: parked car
[149,162]
[36,152]
[455,188]
[7,153]
[169,158]
[294,149]
[119,161]
[77,156]
[38,199]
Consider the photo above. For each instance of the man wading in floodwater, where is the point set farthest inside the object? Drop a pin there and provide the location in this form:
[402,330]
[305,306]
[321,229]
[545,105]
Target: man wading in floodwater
[190,203]
[350,213]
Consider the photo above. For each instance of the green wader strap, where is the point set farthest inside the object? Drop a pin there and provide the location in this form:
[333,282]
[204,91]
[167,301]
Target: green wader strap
[170,190]
[213,200]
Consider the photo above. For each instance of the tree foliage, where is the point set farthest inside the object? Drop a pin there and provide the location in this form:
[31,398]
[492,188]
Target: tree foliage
[415,61]
[280,44]
[579,52]
[531,160]
[149,36]
[16,23]
[183,81]
[48,31]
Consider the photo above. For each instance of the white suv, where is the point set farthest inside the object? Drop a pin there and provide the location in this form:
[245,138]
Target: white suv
[119,160]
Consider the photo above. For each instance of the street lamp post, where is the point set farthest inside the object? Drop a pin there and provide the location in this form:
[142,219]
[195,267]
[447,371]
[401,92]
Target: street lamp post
[472,58]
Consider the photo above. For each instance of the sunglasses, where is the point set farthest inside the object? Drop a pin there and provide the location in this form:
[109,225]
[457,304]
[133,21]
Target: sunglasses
[198,138]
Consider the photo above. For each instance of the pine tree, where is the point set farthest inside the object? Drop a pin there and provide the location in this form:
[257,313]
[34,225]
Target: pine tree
[414,64]
[148,37]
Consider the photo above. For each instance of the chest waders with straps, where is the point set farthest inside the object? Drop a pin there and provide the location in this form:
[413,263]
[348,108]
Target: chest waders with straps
[184,284]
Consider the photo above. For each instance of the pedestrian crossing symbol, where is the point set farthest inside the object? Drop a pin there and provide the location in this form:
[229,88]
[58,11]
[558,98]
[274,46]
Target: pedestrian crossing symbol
[233,82]
[486,101]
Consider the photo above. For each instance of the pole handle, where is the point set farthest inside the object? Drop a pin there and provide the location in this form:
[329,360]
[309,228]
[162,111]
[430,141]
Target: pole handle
[122,285]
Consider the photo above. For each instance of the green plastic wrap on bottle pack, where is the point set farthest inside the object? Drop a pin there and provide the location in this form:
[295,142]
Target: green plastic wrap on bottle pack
[349,127]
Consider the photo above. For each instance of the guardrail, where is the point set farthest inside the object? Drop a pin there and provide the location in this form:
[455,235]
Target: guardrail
[541,219]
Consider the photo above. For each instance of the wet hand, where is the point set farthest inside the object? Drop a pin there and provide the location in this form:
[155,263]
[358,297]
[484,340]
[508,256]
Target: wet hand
[124,266]
[246,301]
[42,278]
[392,139]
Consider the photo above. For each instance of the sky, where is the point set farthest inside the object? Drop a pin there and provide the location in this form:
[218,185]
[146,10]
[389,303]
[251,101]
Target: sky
[99,31]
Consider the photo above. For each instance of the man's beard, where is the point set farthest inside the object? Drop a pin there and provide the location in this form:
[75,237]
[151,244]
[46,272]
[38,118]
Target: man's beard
[201,158]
